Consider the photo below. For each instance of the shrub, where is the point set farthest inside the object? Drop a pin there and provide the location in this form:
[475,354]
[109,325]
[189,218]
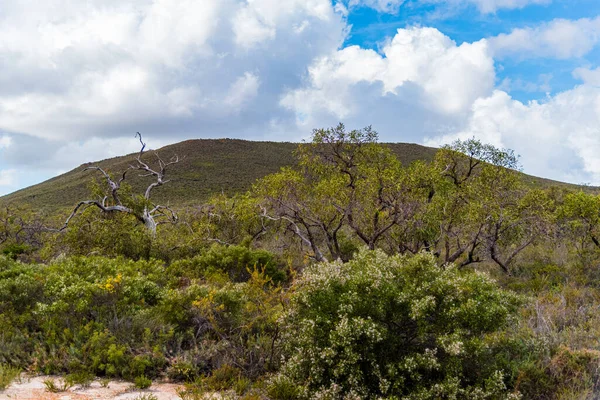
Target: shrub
[82,378]
[222,378]
[57,385]
[141,382]
[123,318]
[145,396]
[576,369]
[14,250]
[383,326]
[235,261]
[7,375]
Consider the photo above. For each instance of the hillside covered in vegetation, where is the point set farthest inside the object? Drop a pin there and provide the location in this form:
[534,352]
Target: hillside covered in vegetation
[349,273]
[207,167]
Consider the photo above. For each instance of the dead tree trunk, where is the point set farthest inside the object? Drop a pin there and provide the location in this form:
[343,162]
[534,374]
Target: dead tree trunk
[150,215]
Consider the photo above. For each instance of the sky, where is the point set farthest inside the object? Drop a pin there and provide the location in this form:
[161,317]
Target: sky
[79,78]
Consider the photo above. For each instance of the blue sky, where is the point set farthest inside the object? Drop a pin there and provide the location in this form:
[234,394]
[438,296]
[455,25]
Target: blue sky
[78,79]
[467,24]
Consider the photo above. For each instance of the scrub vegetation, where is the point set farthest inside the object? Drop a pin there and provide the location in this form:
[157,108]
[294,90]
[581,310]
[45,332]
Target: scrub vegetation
[338,270]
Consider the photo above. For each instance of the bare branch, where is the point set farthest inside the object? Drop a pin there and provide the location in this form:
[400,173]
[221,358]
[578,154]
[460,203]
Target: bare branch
[150,213]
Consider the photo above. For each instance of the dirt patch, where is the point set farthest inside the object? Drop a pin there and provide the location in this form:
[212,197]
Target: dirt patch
[34,389]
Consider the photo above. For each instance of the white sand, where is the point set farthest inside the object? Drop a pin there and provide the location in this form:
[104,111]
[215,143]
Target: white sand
[34,389]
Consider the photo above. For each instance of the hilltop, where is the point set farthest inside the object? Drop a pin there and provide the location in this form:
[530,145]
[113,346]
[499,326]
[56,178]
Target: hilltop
[207,166]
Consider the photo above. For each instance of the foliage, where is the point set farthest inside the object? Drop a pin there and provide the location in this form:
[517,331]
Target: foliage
[141,382]
[110,235]
[82,378]
[121,318]
[383,326]
[57,385]
[7,375]
[237,262]
[145,396]
[579,213]
[207,301]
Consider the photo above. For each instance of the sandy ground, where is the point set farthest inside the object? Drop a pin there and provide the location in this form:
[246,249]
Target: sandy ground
[34,389]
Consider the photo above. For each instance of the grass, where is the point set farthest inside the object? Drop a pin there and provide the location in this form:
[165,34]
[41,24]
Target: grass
[145,396]
[83,379]
[7,375]
[57,385]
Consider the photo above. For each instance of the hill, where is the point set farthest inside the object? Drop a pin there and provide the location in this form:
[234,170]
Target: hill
[207,166]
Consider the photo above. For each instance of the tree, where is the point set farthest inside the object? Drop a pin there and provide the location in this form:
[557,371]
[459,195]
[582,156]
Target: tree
[228,220]
[579,214]
[478,192]
[21,230]
[305,208]
[374,195]
[516,223]
[345,182]
[141,207]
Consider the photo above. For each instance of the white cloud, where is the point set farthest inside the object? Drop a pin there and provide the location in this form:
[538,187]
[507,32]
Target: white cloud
[99,68]
[542,84]
[386,6]
[244,89]
[7,177]
[491,6]
[484,6]
[557,138]
[5,141]
[259,20]
[82,77]
[559,38]
[419,65]
[588,76]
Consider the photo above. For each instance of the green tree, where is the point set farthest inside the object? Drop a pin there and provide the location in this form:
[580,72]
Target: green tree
[484,210]
[345,182]
[579,213]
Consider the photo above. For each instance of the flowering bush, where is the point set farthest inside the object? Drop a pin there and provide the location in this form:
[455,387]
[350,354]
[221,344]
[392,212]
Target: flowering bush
[393,327]
[132,319]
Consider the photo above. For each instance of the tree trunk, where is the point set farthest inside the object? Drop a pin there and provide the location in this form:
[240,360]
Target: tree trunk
[149,223]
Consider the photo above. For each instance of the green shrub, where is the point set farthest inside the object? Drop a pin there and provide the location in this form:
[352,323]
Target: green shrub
[141,382]
[222,378]
[235,261]
[145,396]
[383,326]
[182,370]
[124,319]
[57,385]
[282,387]
[14,250]
[82,378]
[7,375]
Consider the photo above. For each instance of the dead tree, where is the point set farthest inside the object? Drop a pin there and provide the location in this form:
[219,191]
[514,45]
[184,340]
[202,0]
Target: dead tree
[150,214]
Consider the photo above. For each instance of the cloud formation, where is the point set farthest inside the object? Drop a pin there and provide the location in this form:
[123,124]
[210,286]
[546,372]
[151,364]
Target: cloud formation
[77,79]
[491,6]
[560,38]
[484,6]
[152,64]
[419,67]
